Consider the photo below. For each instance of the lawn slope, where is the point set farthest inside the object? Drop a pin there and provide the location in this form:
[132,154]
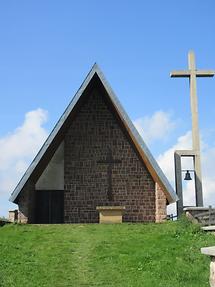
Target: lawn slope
[148,255]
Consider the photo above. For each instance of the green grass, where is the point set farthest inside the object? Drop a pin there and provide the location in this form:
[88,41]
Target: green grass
[166,255]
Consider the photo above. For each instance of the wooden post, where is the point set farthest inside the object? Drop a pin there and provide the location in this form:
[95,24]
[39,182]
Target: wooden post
[178,183]
[209,217]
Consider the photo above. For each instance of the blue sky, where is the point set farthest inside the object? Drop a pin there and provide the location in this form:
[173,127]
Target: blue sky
[48,47]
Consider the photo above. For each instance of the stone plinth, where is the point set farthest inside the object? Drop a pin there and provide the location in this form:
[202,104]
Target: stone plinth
[210,251]
[13,215]
[110,214]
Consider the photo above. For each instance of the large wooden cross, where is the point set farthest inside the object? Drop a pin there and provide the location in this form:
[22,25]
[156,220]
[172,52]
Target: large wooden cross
[192,73]
[110,161]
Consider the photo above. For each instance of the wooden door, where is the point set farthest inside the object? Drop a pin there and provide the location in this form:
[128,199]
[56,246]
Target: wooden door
[49,206]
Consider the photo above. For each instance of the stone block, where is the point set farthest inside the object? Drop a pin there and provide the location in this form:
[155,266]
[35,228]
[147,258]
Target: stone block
[110,214]
[210,251]
[13,215]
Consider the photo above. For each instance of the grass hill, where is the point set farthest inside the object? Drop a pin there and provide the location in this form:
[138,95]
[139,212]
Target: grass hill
[148,255]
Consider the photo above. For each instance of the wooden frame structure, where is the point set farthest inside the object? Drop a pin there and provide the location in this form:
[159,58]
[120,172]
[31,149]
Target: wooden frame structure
[178,179]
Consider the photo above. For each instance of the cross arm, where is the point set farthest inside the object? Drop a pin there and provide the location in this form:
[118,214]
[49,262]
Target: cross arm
[205,73]
[187,73]
[183,73]
[117,161]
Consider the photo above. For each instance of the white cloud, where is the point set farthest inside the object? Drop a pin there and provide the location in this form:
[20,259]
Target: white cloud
[155,127]
[17,149]
[23,143]
[166,159]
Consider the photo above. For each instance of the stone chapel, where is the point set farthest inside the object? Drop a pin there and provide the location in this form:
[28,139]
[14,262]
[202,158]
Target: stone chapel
[93,157]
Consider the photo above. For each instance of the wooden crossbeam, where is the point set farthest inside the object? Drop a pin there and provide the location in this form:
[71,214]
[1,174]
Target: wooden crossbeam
[187,73]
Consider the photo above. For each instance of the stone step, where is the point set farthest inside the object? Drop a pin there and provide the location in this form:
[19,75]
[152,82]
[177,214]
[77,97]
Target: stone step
[208,228]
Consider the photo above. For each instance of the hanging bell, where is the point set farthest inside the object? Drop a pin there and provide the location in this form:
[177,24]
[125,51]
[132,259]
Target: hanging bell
[187,176]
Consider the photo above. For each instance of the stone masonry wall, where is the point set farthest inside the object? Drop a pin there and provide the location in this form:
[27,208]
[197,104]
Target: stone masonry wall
[26,204]
[95,130]
[161,211]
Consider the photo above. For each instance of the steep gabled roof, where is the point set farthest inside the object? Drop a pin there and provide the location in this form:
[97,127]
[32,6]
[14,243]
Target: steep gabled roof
[140,145]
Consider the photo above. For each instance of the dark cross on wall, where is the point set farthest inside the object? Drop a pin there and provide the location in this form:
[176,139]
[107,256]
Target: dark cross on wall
[110,161]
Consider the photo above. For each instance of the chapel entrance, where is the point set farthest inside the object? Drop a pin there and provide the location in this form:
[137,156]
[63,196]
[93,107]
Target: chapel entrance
[49,206]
